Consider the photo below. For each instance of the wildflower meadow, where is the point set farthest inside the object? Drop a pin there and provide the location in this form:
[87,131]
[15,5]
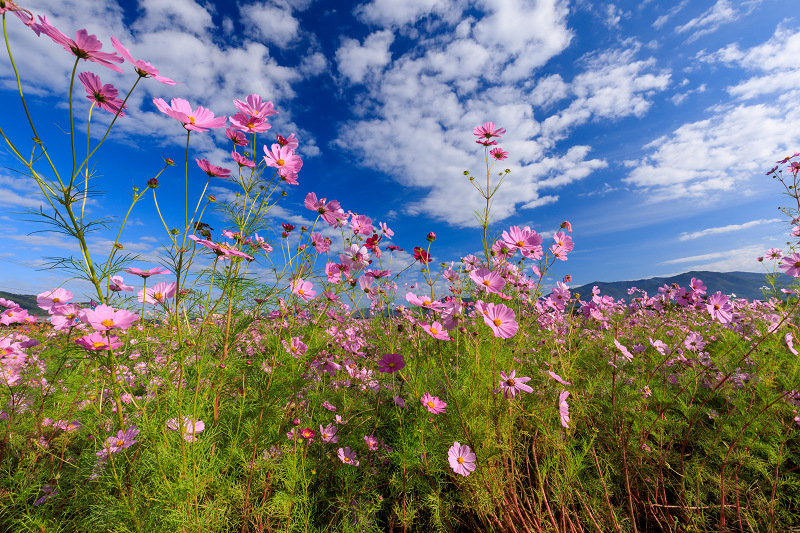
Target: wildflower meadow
[193,395]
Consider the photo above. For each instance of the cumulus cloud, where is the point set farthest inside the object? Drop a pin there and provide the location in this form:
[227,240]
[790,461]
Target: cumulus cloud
[394,13]
[355,60]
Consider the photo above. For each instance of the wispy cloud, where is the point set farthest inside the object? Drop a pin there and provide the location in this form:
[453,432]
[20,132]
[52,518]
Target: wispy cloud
[722,12]
[727,229]
[739,259]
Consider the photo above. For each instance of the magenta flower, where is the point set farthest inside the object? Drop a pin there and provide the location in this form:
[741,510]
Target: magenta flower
[563,408]
[104,96]
[391,363]
[328,433]
[201,119]
[211,170]
[347,456]
[147,273]
[498,153]
[372,442]
[303,289]
[85,46]
[719,308]
[143,69]
[524,239]
[290,142]
[242,161]
[104,318]
[187,427]
[296,348]
[501,319]
[486,132]
[790,265]
[237,137]
[425,301]
[326,210]
[158,294]
[361,224]
[511,385]
[462,459]
[97,342]
[433,403]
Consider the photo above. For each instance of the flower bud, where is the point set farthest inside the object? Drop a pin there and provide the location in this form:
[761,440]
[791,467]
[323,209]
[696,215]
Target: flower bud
[431,237]
[169,161]
[118,246]
[212,198]
[152,183]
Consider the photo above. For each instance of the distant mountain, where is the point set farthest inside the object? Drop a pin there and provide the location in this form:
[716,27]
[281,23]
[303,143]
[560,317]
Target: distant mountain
[742,284]
[25,301]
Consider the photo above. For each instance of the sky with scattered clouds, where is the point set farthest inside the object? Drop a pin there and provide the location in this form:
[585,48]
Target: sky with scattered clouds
[648,124]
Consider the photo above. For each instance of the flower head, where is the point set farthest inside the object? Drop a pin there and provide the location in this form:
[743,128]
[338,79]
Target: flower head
[211,170]
[563,408]
[201,119]
[511,385]
[348,456]
[461,458]
[433,403]
[84,46]
[97,342]
[104,96]
[486,132]
[143,68]
[391,363]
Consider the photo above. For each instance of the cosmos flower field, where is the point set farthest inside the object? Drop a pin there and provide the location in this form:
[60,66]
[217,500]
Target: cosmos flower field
[194,395]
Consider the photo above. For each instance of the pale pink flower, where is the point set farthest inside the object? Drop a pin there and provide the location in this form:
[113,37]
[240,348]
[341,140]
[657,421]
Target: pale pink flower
[211,170]
[501,319]
[158,294]
[283,158]
[147,273]
[511,385]
[290,142]
[372,442]
[119,442]
[249,123]
[98,342]
[49,300]
[328,433]
[241,160]
[790,265]
[104,318]
[187,427]
[424,301]
[201,119]
[435,330]
[361,224]
[326,210]
[488,280]
[628,355]
[790,343]
[563,408]
[253,105]
[433,403]
[719,308]
[347,456]
[237,137]
[461,458]
[303,289]
[117,284]
[295,348]
[524,239]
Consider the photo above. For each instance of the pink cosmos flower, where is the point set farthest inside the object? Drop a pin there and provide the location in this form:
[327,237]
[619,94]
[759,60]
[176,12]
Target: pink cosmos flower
[211,170]
[158,294]
[789,339]
[558,378]
[563,408]
[321,244]
[790,265]
[435,330]
[524,239]
[328,433]
[424,302]
[303,289]
[104,318]
[143,68]
[118,284]
[461,458]
[296,348]
[65,317]
[487,280]
[290,142]
[13,316]
[499,154]
[253,105]
[187,427]
[48,300]
[85,46]
[104,96]
[773,253]
[237,137]
[719,308]
[249,123]
[119,442]
[361,224]
[283,158]
[628,355]
[391,363]
[241,160]
[501,319]
[97,342]
[201,119]
[326,210]
[433,403]
[348,456]
[147,273]
[486,132]
[511,385]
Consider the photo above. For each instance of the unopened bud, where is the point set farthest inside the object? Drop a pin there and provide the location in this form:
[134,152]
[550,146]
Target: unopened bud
[169,161]
[152,183]
[212,198]
[431,237]
[118,246]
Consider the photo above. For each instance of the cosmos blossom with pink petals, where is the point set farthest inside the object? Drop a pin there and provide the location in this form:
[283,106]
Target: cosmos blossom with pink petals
[461,459]
[501,319]
[201,119]
[84,46]
[143,68]
[211,170]
[103,96]
[511,385]
[433,403]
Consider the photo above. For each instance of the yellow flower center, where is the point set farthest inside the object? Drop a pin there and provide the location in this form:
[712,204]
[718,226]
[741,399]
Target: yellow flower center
[158,296]
[434,331]
[107,323]
[461,460]
[497,321]
[346,459]
[300,292]
[431,404]
[281,162]
[391,365]
[56,300]
[486,282]
[119,442]
[520,244]
[98,344]
[510,382]
[191,120]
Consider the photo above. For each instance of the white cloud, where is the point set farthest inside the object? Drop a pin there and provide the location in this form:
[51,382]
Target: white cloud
[737,260]
[355,60]
[727,229]
[722,12]
[272,22]
[394,13]
[663,19]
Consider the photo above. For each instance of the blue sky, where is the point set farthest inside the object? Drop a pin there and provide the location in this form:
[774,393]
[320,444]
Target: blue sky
[649,125]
